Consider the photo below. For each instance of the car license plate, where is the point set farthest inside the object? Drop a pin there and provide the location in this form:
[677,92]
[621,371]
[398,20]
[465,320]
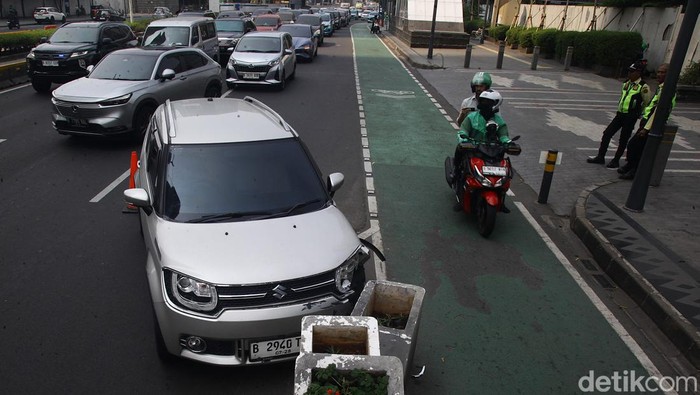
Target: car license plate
[251,76]
[494,171]
[49,62]
[80,123]
[275,348]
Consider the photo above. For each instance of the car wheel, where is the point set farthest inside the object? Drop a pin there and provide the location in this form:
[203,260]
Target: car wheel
[63,20]
[140,122]
[213,90]
[41,85]
[52,20]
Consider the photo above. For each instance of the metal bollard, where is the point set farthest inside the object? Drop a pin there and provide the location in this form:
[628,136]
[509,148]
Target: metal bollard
[662,154]
[535,57]
[501,50]
[547,177]
[567,60]
[481,37]
[468,56]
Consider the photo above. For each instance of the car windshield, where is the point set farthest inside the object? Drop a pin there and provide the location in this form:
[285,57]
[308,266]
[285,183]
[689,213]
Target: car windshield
[325,17]
[263,21]
[235,26]
[297,30]
[258,44]
[76,34]
[131,67]
[240,181]
[166,36]
[309,20]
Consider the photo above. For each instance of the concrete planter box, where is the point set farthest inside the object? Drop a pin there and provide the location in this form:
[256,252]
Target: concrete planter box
[384,365]
[332,334]
[384,299]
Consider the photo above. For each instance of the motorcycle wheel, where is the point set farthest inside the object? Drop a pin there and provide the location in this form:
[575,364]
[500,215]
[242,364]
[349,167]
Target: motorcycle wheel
[485,218]
[449,168]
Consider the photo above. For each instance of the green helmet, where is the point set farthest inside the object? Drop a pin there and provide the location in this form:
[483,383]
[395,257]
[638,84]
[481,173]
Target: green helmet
[481,78]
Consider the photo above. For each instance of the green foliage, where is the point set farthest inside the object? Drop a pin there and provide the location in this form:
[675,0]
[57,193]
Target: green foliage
[470,26]
[525,38]
[498,32]
[332,381]
[513,34]
[139,25]
[23,40]
[605,48]
[691,74]
[546,39]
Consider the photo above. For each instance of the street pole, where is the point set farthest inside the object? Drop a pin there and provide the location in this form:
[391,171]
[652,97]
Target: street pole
[432,31]
[640,185]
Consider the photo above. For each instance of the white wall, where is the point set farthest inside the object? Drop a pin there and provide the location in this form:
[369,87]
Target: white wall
[447,10]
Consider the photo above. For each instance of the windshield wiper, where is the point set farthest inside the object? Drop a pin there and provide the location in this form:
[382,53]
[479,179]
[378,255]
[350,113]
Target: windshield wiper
[225,216]
[292,209]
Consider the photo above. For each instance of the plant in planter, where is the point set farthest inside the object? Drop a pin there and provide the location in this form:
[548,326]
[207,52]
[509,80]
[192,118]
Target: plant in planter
[330,380]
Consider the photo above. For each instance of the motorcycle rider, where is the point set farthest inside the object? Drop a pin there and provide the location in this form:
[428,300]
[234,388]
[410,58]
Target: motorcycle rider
[12,15]
[476,128]
[479,83]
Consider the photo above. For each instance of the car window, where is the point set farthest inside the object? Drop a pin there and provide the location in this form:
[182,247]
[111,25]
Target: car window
[192,60]
[195,35]
[258,44]
[210,30]
[113,33]
[122,66]
[76,34]
[153,151]
[266,21]
[236,26]
[258,177]
[166,36]
[170,61]
[297,30]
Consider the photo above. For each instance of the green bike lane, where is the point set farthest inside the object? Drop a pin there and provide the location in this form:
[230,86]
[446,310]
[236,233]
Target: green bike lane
[501,315]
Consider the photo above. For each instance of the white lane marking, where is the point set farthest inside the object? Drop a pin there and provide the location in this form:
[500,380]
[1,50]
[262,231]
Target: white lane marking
[575,125]
[583,82]
[111,186]
[8,90]
[549,83]
[501,81]
[3,140]
[599,305]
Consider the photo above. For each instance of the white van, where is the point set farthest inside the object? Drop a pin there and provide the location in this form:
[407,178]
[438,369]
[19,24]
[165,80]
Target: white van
[198,32]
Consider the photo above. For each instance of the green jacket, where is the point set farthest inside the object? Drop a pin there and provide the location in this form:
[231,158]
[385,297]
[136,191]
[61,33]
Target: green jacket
[473,128]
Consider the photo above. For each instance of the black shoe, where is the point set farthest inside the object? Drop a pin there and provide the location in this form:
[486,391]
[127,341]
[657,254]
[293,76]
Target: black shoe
[624,169]
[613,164]
[596,159]
[505,209]
[628,176]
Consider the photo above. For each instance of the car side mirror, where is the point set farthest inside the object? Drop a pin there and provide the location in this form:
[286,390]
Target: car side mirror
[44,40]
[288,51]
[90,68]
[335,181]
[106,41]
[139,198]
[167,74]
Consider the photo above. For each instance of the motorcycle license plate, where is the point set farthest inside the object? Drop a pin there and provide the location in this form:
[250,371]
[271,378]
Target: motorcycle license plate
[49,62]
[494,171]
[275,348]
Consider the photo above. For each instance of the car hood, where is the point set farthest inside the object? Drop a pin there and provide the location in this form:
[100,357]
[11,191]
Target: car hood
[261,251]
[253,57]
[87,90]
[229,34]
[64,47]
[300,41]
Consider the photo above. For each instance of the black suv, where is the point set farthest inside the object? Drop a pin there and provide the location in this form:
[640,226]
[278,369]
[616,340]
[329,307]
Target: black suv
[229,30]
[74,47]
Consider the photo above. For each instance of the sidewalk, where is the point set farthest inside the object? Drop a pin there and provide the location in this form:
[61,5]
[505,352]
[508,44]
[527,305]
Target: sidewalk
[651,255]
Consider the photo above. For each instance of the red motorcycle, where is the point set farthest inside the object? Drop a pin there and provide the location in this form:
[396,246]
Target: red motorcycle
[484,179]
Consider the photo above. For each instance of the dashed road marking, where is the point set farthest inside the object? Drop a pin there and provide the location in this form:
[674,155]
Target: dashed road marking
[111,187]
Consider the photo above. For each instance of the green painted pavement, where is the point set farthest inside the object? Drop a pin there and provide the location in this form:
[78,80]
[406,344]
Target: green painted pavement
[501,315]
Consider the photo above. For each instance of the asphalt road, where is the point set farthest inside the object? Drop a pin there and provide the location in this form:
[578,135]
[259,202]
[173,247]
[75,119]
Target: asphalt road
[502,315]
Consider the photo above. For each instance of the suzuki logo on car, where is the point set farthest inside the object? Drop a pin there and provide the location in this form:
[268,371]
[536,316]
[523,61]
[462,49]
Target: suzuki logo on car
[279,291]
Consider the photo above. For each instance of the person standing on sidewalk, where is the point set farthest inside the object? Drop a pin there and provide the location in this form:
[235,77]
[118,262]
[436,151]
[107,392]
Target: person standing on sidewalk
[480,82]
[636,95]
[635,147]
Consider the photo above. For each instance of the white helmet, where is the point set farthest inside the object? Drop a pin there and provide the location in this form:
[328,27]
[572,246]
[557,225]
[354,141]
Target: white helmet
[493,96]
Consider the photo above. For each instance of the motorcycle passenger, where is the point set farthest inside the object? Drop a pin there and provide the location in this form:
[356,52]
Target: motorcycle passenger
[480,82]
[476,128]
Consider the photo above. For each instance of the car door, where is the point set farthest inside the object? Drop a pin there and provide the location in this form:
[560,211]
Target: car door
[196,73]
[176,88]
[288,54]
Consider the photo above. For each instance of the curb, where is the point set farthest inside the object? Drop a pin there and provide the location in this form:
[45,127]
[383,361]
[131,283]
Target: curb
[671,322]
[13,74]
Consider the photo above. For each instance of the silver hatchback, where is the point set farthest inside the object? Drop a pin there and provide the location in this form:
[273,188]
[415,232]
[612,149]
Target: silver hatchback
[262,58]
[121,93]
[242,235]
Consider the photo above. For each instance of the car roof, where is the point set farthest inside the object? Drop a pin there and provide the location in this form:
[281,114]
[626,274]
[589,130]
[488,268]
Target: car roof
[266,34]
[179,21]
[222,120]
[88,24]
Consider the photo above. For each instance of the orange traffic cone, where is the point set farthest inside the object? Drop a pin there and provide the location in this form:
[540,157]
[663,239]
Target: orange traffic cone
[130,208]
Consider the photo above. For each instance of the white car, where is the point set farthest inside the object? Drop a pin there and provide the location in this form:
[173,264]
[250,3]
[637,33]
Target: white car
[242,235]
[48,15]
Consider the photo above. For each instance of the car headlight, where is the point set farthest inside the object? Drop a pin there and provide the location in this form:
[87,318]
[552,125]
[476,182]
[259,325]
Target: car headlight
[345,272]
[31,55]
[79,53]
[191,293]
[116,101]
[274,62]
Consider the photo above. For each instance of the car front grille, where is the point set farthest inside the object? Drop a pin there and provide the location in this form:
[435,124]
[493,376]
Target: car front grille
[252,68]
[51,56]
[78,110]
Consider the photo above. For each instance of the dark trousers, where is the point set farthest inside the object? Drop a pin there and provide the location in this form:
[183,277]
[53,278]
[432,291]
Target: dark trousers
[621,121]
[635,147]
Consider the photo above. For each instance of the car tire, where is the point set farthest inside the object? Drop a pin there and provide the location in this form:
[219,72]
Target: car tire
[63,20]
[213,90]
[142,117]
[41,85]
[52,21]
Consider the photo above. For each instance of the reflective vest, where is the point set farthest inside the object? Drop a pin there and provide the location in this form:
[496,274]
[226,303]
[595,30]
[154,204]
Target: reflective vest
[649,110]
[631,99]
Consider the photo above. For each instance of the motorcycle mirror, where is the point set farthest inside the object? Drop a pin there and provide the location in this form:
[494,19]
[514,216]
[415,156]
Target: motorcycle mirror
[515,138]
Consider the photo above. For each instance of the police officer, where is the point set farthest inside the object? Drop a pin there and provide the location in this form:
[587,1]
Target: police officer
[636,95]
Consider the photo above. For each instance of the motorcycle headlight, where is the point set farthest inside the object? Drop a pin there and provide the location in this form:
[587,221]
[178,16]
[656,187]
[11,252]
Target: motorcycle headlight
[79,53]
[345,272]
[483,180]
[116,101]
[191,293]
